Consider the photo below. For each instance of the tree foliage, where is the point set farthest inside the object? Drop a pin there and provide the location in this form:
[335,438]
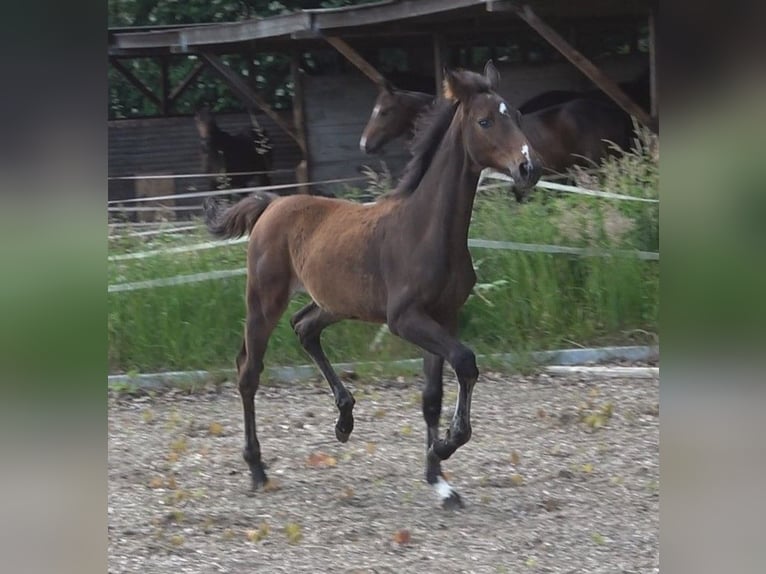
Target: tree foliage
[269,73]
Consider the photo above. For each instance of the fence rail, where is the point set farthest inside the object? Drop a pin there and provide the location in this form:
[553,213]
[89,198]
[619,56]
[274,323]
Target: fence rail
[237,190]
[223,274]
[478,243]
[194,175]
[567,188]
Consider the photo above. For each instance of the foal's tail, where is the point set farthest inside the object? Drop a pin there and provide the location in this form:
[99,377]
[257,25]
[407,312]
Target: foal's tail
[238,219]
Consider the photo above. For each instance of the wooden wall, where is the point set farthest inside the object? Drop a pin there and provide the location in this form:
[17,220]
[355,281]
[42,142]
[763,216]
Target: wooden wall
[337,109]
[171,145]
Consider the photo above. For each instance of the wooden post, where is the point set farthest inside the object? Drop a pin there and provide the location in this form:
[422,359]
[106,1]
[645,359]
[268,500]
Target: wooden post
[356,58]
[248,96]
[299,119]
[165,79]
[440,60]
[653,63]
[186,82]
[138,84]
[584,65]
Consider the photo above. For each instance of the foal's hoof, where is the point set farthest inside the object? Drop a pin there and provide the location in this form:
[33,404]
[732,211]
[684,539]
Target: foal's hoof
[453,502]
[258,481]
[341,435]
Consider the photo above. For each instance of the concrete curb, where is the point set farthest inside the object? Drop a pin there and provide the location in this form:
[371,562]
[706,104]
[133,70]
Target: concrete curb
[560,357]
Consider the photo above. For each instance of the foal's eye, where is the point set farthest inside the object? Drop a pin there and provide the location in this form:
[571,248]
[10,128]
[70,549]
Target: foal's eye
[485,122]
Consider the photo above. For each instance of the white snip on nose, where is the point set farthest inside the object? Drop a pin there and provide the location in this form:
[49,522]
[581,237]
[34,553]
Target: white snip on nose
[503,109]
[525,152]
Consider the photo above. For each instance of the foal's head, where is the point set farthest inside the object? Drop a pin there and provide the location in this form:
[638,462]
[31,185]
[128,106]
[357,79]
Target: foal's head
[492,135]
[393,115]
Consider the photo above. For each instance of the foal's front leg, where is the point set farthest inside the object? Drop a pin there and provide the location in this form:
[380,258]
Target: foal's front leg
[433,391]
[418,328]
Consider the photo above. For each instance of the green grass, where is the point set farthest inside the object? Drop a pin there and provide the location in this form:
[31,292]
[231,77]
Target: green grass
[529,301]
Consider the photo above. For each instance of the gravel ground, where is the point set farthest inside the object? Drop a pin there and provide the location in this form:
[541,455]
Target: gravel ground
[561,475]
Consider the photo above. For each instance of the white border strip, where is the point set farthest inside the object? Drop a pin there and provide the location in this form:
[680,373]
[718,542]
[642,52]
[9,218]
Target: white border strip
[606,372]
[560,357]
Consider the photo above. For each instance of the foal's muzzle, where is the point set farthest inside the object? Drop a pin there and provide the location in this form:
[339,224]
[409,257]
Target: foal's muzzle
[526,174]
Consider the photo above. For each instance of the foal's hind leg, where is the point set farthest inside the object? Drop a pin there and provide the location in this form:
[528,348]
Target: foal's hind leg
[264,307]
[308,323]
[433,391]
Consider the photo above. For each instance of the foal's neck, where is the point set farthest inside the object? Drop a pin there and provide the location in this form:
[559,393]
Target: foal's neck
[444,198]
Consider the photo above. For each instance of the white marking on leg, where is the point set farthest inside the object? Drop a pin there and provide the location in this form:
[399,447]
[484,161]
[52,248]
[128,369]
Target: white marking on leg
[503,109]
[525,152]
[443,488]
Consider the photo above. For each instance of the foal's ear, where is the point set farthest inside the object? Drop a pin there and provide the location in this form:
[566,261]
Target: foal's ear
[492,75]
[454,86]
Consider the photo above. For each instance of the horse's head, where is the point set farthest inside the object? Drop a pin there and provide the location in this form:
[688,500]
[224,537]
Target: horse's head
[205,121]
[491,130]
[393,115]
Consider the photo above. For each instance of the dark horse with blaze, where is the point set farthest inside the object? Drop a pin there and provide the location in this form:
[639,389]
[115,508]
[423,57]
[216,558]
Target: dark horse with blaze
[403,261]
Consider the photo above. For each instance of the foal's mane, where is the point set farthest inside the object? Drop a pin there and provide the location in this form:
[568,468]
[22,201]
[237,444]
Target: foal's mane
[430,127]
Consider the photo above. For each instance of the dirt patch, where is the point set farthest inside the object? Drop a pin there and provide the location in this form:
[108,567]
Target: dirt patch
[561,475]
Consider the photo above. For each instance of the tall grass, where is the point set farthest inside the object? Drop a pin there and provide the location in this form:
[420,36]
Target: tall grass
[525,300]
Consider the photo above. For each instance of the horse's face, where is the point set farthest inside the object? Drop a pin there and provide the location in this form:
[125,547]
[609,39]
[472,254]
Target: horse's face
[389,119]
[491,130]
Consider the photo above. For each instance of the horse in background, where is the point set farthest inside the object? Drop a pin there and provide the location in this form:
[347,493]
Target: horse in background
[637,89]
[393,115]
[250,150]
[575,132]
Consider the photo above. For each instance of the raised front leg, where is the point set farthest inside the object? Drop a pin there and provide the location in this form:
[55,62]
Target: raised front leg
[420,329]
[308,323]
[433,392]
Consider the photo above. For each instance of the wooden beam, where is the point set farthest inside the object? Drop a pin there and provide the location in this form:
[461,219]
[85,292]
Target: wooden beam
[248,96]
[165,83]
[138,84]
[355,58]
[186,82]
[584,65]
[299,118]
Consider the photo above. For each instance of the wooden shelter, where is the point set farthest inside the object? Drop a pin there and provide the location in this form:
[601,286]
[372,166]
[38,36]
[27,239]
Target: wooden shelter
[538,45]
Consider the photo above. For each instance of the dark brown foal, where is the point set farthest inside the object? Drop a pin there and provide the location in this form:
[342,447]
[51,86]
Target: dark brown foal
[403,260]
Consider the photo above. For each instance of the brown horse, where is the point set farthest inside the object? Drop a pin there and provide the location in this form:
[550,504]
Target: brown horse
[393,115]
[224,153]
[402,261]
[575,132]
